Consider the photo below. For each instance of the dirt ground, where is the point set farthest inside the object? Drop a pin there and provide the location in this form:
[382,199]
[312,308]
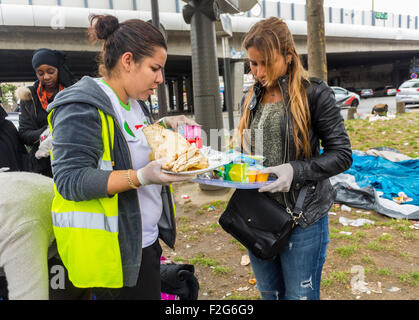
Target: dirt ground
[386,252]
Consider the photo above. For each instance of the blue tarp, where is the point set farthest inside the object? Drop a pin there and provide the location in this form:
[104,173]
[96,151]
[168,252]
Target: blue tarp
[387,176]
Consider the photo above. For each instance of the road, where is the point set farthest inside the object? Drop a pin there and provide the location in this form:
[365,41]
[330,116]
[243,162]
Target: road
[365,106]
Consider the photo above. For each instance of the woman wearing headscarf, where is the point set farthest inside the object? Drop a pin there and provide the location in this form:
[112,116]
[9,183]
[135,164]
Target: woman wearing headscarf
[53,76]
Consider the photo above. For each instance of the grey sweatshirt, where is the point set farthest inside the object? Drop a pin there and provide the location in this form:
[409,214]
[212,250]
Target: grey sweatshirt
[77,149]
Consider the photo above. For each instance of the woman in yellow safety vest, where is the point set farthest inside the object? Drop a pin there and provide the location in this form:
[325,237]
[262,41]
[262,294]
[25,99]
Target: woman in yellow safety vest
[111,203]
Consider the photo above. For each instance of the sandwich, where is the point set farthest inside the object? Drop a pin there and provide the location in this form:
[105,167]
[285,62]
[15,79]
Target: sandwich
[171,145]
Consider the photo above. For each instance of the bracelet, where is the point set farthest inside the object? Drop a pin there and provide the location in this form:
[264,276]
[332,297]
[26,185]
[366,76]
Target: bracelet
[130,183]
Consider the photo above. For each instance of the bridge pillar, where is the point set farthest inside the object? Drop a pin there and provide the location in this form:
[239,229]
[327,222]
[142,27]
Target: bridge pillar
[171,94]
[189,93]
[201,15]
[179,94]
[237,72]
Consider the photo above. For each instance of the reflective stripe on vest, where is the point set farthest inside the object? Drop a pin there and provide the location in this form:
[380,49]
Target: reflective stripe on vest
[85,220]
[87,231]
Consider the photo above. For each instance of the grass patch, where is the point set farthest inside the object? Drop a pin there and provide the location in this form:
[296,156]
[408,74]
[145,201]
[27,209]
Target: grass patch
[346,251]
[410,277]
[239,245]
[201,260]
[385,237]
[375,246]
[178,259]
[327,282]
[340,276]
[184,228]
[183,219]
[222,270]
[216,204]
[239,297]
[384,272]
[361,131]
[367,260]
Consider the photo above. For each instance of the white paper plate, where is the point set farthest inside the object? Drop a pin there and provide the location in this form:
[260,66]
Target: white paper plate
[212,166]
[215,159]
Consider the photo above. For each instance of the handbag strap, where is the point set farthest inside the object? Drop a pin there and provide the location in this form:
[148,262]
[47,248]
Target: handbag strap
[298,208]
[297,213]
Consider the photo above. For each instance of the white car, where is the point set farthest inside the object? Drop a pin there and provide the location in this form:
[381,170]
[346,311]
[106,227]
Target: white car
[13,117]
[390,91]
[408,92]
[345,98]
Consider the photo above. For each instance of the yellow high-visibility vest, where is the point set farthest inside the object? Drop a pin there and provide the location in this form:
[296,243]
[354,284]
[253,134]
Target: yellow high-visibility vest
[86,232]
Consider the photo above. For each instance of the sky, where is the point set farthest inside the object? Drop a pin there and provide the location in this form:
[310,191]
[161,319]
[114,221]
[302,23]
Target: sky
[390,6]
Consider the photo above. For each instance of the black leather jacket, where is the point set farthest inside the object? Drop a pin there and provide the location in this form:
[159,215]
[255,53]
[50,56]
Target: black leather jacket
[328,127]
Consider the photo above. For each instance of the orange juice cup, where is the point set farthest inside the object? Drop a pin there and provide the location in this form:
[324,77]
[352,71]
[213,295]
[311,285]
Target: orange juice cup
[262,177]
[252,175]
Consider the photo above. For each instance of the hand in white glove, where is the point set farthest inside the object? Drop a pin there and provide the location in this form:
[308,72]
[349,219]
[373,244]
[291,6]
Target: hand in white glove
[44,148]
[285,174]
[152,174]
[45,134]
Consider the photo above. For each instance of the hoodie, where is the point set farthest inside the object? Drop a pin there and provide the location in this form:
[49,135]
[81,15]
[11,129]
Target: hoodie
[77,148]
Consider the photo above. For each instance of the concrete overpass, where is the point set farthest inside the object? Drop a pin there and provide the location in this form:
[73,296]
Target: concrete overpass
[361,50]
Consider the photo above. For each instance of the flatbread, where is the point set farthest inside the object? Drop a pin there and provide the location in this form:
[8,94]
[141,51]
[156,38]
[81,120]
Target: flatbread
[180,154]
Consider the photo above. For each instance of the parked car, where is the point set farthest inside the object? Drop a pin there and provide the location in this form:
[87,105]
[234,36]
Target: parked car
[408,92]
[14,117]
[352,89]
[366,93]
[345,98]
[385,91]
[391,91]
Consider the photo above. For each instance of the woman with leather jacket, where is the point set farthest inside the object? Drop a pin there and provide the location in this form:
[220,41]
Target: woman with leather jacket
[295,113]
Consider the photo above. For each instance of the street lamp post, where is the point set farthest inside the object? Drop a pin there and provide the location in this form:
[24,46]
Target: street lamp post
[201,14]
[161,90]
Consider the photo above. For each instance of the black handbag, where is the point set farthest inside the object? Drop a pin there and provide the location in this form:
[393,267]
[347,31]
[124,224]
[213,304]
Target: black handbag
[259,222]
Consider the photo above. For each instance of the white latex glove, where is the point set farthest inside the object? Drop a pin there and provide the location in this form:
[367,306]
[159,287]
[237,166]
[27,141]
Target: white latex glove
[152,174]
[174,121]
[285,174]
[44,148]
[45,134]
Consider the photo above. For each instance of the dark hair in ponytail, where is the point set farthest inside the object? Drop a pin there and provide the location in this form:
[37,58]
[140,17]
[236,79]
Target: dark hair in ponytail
[135,36]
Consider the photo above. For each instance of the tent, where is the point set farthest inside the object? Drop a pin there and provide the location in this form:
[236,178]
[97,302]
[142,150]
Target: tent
[373,182]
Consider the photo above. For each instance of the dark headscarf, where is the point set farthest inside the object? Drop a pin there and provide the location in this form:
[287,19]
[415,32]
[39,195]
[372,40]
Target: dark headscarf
[55,59]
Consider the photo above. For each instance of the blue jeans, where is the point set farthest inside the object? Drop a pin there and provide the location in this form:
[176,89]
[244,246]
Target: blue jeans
[295,274]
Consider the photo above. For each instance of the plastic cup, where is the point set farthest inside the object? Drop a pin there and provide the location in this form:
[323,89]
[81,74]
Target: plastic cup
[192,132]
[262,177]
[252,175]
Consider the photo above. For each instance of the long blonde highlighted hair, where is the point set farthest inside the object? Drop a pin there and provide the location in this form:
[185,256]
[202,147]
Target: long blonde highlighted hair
[272,37]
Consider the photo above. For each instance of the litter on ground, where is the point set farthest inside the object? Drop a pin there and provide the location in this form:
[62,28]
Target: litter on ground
[354,222]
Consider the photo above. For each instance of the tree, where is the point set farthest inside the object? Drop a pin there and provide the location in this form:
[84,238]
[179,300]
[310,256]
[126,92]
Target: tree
[316,41]
[7,95]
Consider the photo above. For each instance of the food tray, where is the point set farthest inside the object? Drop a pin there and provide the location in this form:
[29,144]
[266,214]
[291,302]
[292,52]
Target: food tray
[232,184]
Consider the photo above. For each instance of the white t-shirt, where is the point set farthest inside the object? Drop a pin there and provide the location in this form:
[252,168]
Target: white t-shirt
[131,120]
